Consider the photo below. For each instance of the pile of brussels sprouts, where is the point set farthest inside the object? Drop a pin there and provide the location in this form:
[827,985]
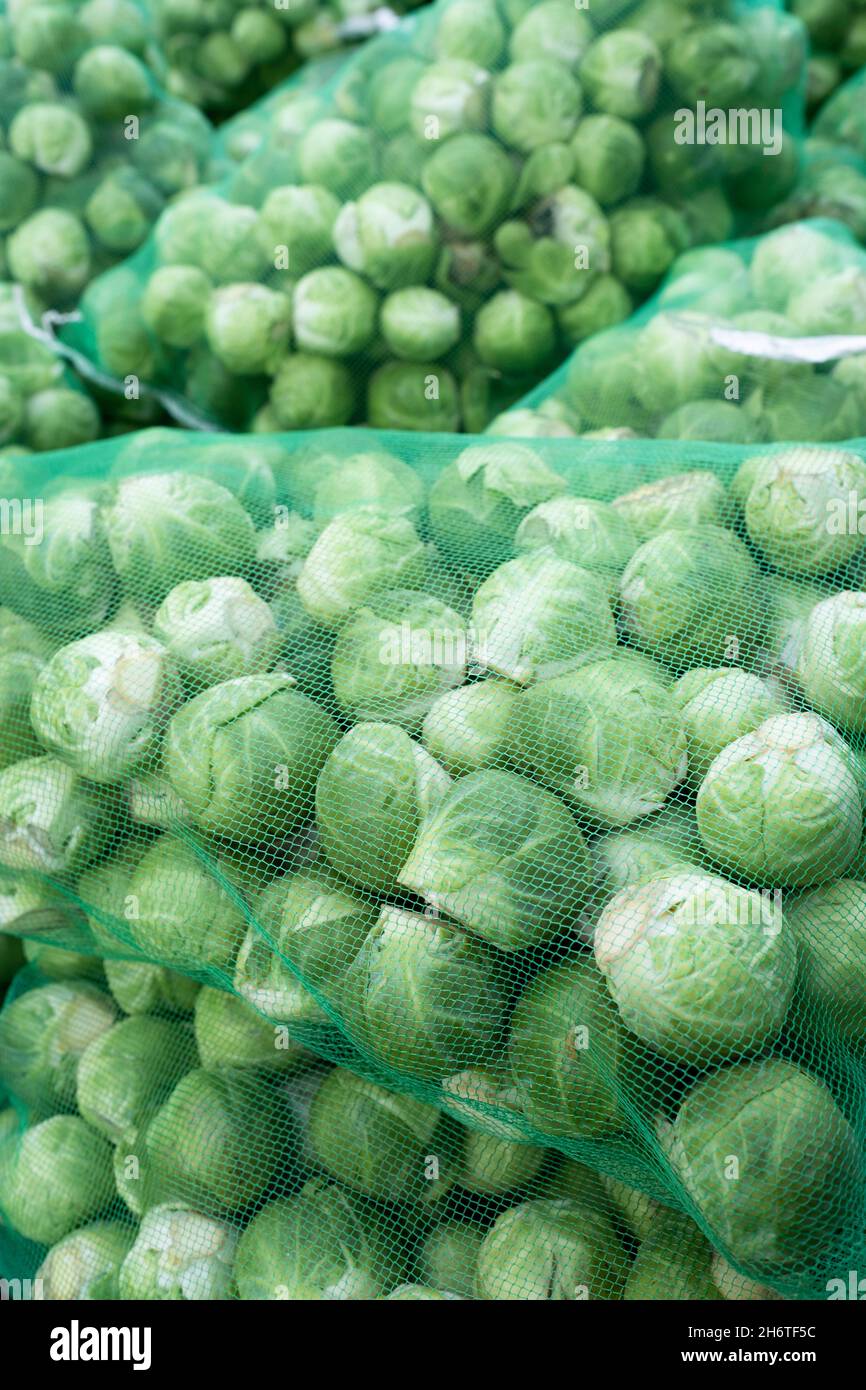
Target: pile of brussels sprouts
[91,149]
[475,194]
[539,789]
[719,354]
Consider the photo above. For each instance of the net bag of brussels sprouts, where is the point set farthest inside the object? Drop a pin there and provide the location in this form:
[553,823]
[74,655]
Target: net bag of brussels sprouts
[411,246]
[760,341]
[93,150]
[522,781]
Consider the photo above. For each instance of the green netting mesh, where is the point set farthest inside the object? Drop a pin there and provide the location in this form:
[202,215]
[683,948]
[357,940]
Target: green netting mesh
[411,832]
[414,244]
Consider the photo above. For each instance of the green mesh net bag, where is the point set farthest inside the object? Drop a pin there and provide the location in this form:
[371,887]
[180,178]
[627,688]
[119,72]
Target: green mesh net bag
[92,147]
[417,832]
[760,341]
[406,246]
[837,38]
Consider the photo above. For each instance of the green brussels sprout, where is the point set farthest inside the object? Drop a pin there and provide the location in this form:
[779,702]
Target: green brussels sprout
[830,661]
[593,535]
[774,269]
[224,240]
[388,236]
[466,729]
[395,655]
[720,422]
[65,583]
[796,1159]
[469,180]
[60,963]
[419,324]
[111,83]
[179,913]
[43,1034]
[338,155]
[605,303]
[555,254]
[791,604]
[117,22]
[355,557]
[609,157]
[323,1243]
[551,29]
[20,190]
[24,651]
[621,72]
[334,312]
[127,1072]
[377,1142]
[301,217]
[566,1050]
[680,502]
[122,209]
[373,793]
[646,235]
[50,820]
[424,997]
[370,481]
[719,705]
[181,1255]
[666,843]
[535,102]
[828,925]
[311,392]
[309,930]
[503,857]
[514,334]
[691,595]
[104,892]
[697,967]
[448,1258]
[85,1264]
[715,63]
[49,253]
[218,1142]
[61,1178]
[471,29]
[636,1211]
[54,139]
[608,736]
[216,629]
[796,508]
[247,328]
[142,988]
[230,1033]
[413,396]
[478,501]
[100,703]
[781,805]
[819,408]
[599,385]
[491,1165]
[678,362]
[836,304]
[60,418]
[244,756]
[551,1249]
[46,35]
[164,528]
[672,1263]
[450,96]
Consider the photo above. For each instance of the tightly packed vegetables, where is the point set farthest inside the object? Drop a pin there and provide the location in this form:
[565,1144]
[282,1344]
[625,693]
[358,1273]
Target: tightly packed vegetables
[524,784]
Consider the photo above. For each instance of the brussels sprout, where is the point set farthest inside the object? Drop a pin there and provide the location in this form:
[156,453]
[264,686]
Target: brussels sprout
[713,421]
[514,334]
[64,583]
[697,967]
[244,756]
[494,1166]
[20,190]
[829,926]
[503,857]
[85,1265]
[333,312]
[600,382]
[323,1243]
[413,396]
[230,1033]
[105,893]
[667,843]
[470,29]
[535,102]
[836,304]
[478,501]
[164,528]
[720,705]
[450,96]
[691,595]
[355,557]
[609,157]
[378,1142]
[217,1142]
[469,180]
[310,391]
[551,29]
[142,988]
[830,663]
[775,268]
[301,218]
[60,418]
[636,1211]
[672,1263]
[448,1258]
[61,1178]
[100,703]
[797,508]
[216,629]
[796,1158]
[49,253]
[423,997]
[179,1254]
[419,324]
[566,1051]
[60,963]
[647,235]
[605,303]
[678,362]
[43,1034]
[585,532]
[551,1250]
[24,651]
[50,820]
[467,729]
[608,735]
[54,138]
[338,155]
[180,915]
[780,805]
[248,327]
[621,72]
[127,1072]
[110,83]
[373,480]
